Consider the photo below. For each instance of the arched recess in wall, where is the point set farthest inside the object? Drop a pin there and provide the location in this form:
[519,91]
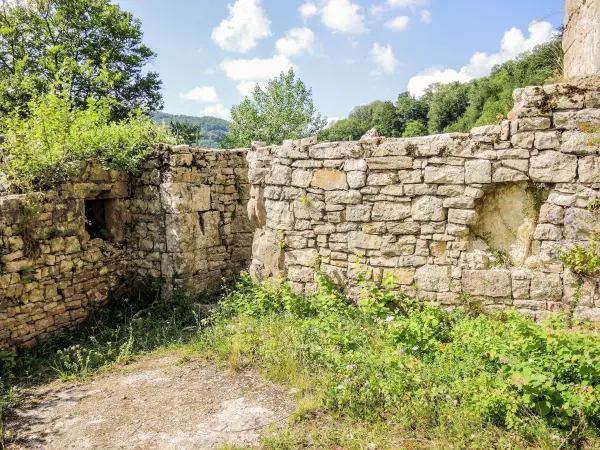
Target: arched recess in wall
[506,220]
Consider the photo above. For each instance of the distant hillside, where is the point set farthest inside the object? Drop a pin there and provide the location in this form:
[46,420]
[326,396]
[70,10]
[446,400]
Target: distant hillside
[213,128]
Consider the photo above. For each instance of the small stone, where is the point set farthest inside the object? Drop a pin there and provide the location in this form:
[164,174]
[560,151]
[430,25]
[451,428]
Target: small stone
[329,180]
[478,172]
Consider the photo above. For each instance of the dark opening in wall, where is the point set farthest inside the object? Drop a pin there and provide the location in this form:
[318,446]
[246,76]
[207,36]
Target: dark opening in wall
[95,219]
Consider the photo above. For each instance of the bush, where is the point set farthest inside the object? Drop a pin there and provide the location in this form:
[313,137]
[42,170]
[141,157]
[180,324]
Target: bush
[459,378]
[45,148]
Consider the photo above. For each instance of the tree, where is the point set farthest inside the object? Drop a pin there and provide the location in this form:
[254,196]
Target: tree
[410,109]
[186,133]
[385,119]
[343,130]
[284,110]
[93,44]
[415,128]
[448,103]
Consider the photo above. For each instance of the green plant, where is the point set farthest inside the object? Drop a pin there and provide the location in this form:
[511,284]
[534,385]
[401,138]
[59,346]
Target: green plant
[580,258]
[54,232]
[500,258]
[593,205]
[305,201]
[46,148]
[240,187]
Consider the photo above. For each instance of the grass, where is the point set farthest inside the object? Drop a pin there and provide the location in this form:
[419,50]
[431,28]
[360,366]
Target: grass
[390,373]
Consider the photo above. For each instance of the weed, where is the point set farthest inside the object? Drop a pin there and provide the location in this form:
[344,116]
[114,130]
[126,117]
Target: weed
[305,202]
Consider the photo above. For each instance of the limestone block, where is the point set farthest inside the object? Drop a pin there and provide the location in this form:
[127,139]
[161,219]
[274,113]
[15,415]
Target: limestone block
[279,174]
[343,197]
[353,165]
[384,211]
[576,143]
[506,175]
[426,209]
[546,140]
[359,240]
[410,176]
[462,202]
[553,167]
[382,179]
[548,232]
[301,178]
[546,287]
[336,150]
[300,274]
[267,251]
[390,163]
[462,216]
[433,278]
[307,257]
[184,198]
[72,245]
[356,179]
[478,172]
[257,176]
[589,169]
[523,140]
[445,174]
[490,283]
[534,123]
[394,191]
[358,213]
[329,180]
[403,277]
[279,215]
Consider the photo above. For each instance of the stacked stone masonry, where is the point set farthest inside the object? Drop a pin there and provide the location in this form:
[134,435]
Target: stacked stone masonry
[581,40]
[480,215]
[181,220]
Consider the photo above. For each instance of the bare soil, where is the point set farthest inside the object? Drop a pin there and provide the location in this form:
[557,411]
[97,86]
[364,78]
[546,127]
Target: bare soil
[156,403]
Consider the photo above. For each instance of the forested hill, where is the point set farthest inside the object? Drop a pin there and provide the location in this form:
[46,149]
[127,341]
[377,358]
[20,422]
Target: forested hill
[212,129]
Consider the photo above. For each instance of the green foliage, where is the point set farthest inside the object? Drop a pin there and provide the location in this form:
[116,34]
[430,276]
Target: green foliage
[212,131]
[415,128]
[46,147]
[284,110]
[448,103]
[185,133]
[343,130]
[580,258]
[470,381]
[92,42]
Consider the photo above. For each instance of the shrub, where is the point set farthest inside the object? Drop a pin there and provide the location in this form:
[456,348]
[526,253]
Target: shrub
[48,145]
[397,361]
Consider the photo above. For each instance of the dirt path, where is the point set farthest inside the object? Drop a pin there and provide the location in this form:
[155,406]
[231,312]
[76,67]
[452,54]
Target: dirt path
[153,404]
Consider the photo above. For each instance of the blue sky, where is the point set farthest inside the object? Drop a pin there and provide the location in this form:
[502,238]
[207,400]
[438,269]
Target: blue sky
[350,52]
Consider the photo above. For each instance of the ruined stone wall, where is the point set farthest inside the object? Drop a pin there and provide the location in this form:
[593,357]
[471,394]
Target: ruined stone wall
[182,220]
[480,215]
[52,271]
[581,40]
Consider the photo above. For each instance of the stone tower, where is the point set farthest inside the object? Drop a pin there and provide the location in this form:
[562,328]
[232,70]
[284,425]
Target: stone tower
[581,41]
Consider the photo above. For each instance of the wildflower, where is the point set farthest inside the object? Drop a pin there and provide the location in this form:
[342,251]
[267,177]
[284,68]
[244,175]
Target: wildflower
[389,319]
[455,402]
[351,367]
[347,381]
[402,351]
[337,348]
[340,387]
[415,348]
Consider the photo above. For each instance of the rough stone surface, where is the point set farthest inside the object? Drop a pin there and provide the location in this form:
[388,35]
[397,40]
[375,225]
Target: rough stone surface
[481,214]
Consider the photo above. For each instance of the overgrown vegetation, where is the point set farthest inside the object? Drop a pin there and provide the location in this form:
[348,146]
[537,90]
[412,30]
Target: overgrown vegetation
[47,146]
[389,373]
[205,132]
[453,107]
[396,372]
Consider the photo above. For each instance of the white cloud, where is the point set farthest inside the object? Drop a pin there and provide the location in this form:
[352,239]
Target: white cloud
[308,9]
[343,16]
[246,88]
[391,4]
[406,3]
[348,60]
[256,69]
[217,110]
[331,121]
[296,42]
[203,94]
[426,16]
[513,43]
[246,25]
[399,23]
[383,58]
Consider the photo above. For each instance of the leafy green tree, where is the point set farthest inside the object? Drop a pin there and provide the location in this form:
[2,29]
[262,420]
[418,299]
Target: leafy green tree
[284,110]
[362,115]
[385,119]
[343,130]
[92,43]
[186,133]
[410,109]
[415,128]
[448,103]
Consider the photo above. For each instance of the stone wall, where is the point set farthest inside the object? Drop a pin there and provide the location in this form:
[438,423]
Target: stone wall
[181,220]
[582,38]
[480,215]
